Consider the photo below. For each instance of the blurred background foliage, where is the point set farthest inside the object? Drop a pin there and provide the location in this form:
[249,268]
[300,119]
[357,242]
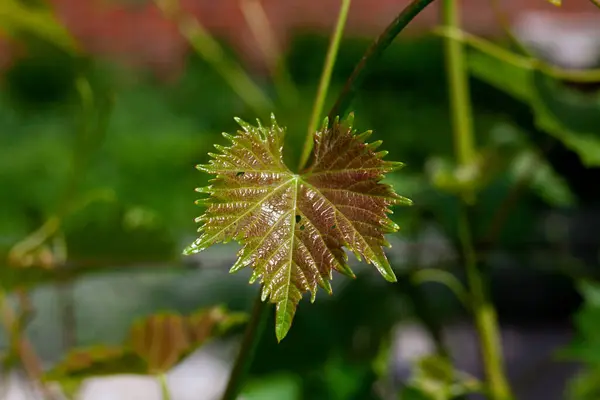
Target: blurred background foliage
[109,152]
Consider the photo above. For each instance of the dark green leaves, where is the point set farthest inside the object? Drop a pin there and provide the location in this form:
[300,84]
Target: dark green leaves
[293,228]
[571,117]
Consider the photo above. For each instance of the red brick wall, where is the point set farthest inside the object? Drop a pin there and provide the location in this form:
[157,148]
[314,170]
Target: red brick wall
[141,36]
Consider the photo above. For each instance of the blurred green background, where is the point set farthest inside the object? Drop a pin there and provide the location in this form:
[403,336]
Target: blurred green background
[111,151]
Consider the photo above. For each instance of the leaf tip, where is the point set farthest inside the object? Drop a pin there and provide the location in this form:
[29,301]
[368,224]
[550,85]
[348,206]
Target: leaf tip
[350,119]
[281,330]
[236,267]
[325,124]
[387,273]
[274,121]
[243,124]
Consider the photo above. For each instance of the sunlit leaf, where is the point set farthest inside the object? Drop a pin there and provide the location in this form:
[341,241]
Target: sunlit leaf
[293,228]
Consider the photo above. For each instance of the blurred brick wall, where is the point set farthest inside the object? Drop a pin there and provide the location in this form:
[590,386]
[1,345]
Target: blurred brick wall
[139,35]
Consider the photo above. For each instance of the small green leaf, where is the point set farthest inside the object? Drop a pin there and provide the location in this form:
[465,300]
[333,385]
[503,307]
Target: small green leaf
[293,227]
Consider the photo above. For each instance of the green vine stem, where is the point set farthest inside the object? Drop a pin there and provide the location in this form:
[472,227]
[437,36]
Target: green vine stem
[164,387]
[242,363]
[507,56]
[325,81]
[445,278]
[373,54]
[462,125]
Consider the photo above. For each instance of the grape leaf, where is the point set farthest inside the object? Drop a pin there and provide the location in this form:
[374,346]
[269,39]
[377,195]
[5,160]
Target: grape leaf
[293,228]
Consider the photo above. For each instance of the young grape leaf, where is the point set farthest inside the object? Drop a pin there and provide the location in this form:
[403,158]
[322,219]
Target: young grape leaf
[293,228]
[160,340]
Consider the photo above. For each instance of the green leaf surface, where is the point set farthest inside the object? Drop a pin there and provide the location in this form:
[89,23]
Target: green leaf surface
[293,228]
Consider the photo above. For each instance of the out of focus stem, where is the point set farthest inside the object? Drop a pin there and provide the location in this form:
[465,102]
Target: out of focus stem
[164,387]
[244,359]
[464,140]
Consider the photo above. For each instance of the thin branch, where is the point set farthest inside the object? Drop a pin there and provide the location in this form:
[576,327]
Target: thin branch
[509,57]
[373,54]
[325,81]
[483,310]
[244,359]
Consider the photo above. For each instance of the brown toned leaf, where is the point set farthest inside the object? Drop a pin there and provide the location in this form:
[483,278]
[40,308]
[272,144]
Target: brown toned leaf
[156,343]
[293,228]
[160,340]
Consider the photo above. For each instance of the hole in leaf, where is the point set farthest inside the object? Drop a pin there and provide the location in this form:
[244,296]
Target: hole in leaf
[298,218]
[240,173]
[333,226]
[301,227]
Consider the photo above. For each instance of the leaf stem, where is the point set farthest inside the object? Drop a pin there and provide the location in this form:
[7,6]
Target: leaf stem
[253,332]
[332,53]
[373,54]
[486,320]
[462,125]
[164,387]
[445,278]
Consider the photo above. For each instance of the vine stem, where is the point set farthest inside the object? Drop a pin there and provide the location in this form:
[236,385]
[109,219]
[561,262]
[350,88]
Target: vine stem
[164,387]
[373,54]
[242,363]
[332,52]
[519,61]
[462,126]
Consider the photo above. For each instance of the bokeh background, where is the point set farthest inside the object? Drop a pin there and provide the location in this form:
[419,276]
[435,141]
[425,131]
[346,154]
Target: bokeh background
[105,109]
